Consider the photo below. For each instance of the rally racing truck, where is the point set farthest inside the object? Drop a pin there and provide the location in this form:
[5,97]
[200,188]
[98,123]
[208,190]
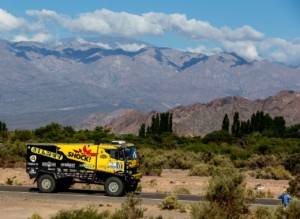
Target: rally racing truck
[57,166]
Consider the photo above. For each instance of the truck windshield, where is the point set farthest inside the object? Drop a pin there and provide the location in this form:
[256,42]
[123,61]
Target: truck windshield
[130,152]
[116,154]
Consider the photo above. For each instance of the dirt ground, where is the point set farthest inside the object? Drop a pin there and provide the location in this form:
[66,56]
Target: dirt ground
[21,206]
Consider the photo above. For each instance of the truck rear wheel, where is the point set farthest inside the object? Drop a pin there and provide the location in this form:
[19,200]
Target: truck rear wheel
[46,183]
[114,186]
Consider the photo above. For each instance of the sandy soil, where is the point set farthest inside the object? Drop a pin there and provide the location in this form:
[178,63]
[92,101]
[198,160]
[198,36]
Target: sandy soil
[13,207]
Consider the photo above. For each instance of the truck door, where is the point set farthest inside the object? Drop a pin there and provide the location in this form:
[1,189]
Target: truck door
[111,160]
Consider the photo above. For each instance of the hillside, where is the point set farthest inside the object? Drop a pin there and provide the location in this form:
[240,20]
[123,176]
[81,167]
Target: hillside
[65,83]
[200,119]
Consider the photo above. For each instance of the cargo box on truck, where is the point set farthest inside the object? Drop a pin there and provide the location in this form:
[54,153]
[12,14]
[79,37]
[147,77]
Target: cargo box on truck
[57,166]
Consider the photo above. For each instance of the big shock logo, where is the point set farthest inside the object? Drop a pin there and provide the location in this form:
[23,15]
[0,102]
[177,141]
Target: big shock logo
[82,154]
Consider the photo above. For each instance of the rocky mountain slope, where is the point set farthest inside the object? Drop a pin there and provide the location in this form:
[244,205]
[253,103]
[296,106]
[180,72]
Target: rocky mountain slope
[200,119]
[67,82]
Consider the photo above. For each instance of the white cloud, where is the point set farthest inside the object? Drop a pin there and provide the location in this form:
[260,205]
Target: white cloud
[204,50]
[8,22]
[41,37]
[246,49]
[121,23]
[131,47]
[103,45]
[281,50]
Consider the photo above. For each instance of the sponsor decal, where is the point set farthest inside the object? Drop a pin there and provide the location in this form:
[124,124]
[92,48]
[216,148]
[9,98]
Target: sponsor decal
[46,153]
[32,164]
[115,165]
[65,170]
[83,154]
[48,164]
[51,169]
[32,171]
[103,156]
[87,165]
[85,151]
[32,158]
[90,171]
[73,170]
[70,165]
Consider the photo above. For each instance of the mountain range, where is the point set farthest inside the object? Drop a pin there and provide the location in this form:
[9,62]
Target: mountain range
[199,119]
[68,81]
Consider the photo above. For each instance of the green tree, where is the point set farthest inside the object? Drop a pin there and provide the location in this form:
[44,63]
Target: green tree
[293,131]
[225,123]
[21,135]
[160,124]
[278,126]
[3,131]
[236,125]
[170,124]
[53,132]
[245,127]
[142,130]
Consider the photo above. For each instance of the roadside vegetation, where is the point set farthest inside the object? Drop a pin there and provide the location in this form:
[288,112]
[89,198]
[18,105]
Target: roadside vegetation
[261,146]
[226,197]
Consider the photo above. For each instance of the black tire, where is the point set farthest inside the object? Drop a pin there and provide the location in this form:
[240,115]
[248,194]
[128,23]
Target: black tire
[64,184]
[46,183]
[132,187]
[114,186]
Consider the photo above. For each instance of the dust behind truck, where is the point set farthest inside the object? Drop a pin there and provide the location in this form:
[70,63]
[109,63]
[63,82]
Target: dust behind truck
[56,167]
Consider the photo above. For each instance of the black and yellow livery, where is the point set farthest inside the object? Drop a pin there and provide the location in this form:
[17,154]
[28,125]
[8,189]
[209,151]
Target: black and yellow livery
[58,166]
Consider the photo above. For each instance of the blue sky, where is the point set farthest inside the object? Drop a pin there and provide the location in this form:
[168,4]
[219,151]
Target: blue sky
[256,29]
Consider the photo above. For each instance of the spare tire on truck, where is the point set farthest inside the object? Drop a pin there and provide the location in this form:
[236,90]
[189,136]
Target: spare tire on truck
[46,183]
[114,186]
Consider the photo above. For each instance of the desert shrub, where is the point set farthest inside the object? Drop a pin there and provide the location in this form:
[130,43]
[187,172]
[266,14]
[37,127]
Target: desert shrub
[35,216]
[218,137]
[226,193]
[280,213]
[157,217]
[292,211]
[82,213]
[206,211]
[292,163]
[201,147]
[259,161]
[294,186]
[130,209]
[261,213]
[252,194]
[10,180]
[170,202]
[18,149]
[178,160]
[276,173]
[202,169]
[182,190]
[152,162]
[221,160]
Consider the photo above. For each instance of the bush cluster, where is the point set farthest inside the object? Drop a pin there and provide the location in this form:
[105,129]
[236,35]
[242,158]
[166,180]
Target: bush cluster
[276,173]
[171,203]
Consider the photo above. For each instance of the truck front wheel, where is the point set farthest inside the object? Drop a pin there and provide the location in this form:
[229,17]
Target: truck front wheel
[114,186]
[46,183]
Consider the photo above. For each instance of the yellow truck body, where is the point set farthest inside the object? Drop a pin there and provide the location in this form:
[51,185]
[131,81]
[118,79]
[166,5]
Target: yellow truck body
[58,166]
